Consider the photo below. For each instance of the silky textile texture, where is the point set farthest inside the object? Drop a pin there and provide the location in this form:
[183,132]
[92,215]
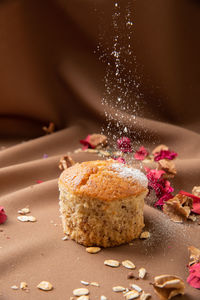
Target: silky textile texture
[51,71]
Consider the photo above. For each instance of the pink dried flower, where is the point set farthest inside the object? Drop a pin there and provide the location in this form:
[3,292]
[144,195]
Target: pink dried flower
[160,185]
[124,144]
[3,216]
[165,154]
[86,143]
[194,277]
[141,154]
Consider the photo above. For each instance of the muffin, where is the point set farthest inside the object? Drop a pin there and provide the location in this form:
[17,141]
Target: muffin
[101,202]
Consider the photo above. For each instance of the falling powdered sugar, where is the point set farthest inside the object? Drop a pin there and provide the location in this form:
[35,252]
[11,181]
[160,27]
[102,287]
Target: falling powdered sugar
[131,173]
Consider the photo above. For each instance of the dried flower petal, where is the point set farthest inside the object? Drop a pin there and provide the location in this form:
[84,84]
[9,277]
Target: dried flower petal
[3,216]
[50,129]
[196,191]
[165,154]
[45,286]
[168,286]
[194,255]
[124,144]
[94,140]
[141,154]
[178,208]
[65,162]
[194,277]
[159,148]
[168,167]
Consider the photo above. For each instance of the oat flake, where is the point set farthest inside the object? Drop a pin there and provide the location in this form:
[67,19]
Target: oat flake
[24,211]
[84,282]
[14,287]
[103,298]
[26,218]
[118,289]
[95,284]
[93,250]
[83,298]
[136,287]
[111,263]
[131,295]
[128,264]
[45,286]
[80,292]
[142,273]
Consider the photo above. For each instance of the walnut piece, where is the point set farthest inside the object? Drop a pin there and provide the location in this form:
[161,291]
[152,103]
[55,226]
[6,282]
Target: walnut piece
[168,286]
[65,162]
[98,140]
[196,191]
[178,208]
[159,148]
[167,166]
[50,129]
[194,255]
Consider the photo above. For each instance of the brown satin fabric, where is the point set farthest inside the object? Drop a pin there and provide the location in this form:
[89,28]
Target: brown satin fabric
[50,72]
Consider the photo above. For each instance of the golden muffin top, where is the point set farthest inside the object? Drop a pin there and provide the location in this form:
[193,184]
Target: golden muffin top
[105,180]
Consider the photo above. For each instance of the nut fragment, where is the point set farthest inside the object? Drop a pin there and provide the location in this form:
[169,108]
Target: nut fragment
[168,286]
[98,140]
[93,250]
[136,287]
[94,284]
[128,264]
[194,255]
[145,235]
[196,191]
[24,211]
[178,208]
[111,263]
[45,286]
[23,285]
[26,218]
[80,292]
[65,162]
[167,166]
[131,295]
[145,296]
[118,289]
[159,148]
[142,273]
